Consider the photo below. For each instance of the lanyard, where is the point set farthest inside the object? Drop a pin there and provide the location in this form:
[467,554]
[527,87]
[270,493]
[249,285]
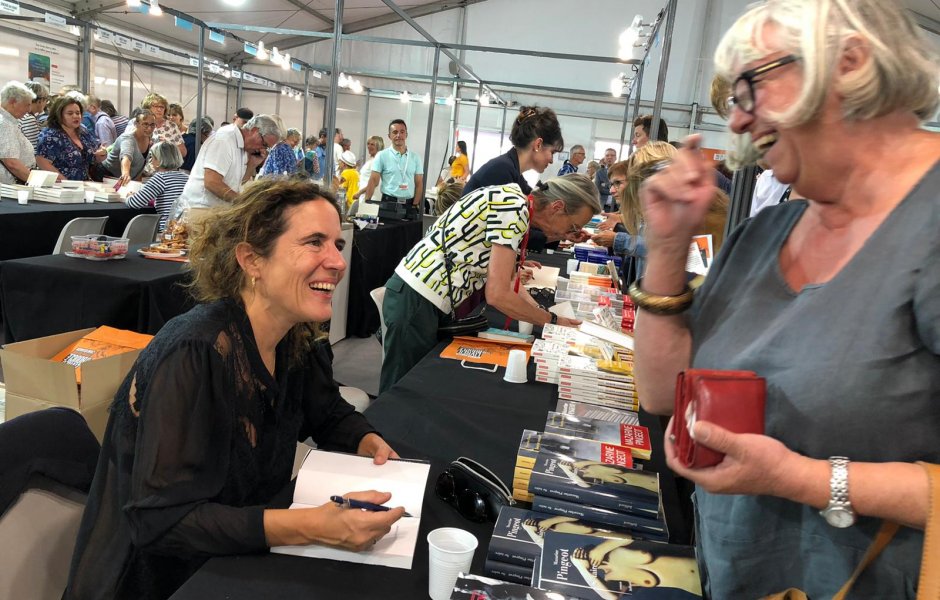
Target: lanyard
[522,253]
[403,171]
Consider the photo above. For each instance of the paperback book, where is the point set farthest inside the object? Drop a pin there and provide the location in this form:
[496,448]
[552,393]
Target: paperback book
[586,410]
[635,437]
[475,587]
[508,572]
[518,534]
[647,528]
[588,568]
[505,335]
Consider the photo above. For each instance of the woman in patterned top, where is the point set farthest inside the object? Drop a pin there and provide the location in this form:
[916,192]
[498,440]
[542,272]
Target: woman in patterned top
[281,159]
[484,232]
[166,184]
[65,146]
[166,130]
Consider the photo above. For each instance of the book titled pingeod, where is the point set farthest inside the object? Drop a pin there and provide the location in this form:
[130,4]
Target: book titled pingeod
[608,482]
[324,474]
[590,568]
[518,534]
[474,587]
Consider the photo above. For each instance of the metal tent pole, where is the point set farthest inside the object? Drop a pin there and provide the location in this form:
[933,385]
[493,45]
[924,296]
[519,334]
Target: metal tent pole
[502,129]
[663,68]
[334,91]
[306,100]
[238,90]
[200,74]
[365,126]
[476,128]
[636,101]
[623,127]
[86,58]
[427,137]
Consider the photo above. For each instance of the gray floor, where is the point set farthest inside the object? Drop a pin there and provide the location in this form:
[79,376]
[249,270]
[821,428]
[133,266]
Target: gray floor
[357,362]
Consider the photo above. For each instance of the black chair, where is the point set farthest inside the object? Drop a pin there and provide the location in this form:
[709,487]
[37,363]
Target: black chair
[47,463]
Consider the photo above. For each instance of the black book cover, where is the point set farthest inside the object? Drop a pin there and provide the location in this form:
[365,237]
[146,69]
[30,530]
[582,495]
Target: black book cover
[596,482]
[474,587]
[642,527]
[588,568]
[517,536]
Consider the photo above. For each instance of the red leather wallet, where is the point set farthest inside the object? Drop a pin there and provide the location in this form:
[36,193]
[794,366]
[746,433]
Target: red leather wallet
[730,399]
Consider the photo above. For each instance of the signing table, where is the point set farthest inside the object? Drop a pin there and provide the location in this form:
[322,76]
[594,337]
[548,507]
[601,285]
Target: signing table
[44,295]
[438,411]
[32,229]
[376,253]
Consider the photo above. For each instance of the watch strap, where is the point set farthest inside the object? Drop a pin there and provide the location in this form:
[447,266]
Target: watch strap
[839,482]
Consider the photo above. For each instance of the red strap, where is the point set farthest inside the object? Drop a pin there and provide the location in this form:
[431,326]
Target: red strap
[522,252]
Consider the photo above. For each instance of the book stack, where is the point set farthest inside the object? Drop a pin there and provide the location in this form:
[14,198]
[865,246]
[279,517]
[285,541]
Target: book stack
[516,545]
[103,193]
[10,190]
[59,194]
[505,335]
[590,568]
[564,447]
[474,587]
[597,280]
[605,382]
[546,354]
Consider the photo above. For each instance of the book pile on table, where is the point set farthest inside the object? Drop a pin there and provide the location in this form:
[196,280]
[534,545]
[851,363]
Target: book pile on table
[10,190]
[60,194]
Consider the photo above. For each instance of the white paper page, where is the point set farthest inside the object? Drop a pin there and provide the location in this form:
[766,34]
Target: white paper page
[694,262]
[563,309]
[546,277]
[326,474]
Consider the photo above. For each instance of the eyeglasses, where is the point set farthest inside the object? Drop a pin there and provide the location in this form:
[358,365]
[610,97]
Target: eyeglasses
[264,142]
[149,124]
[743,87]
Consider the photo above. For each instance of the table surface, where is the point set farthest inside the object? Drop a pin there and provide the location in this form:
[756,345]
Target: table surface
[438,411]
[44,295]
[33,229]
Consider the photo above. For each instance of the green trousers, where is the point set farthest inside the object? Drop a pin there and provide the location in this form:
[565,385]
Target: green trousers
[411,330]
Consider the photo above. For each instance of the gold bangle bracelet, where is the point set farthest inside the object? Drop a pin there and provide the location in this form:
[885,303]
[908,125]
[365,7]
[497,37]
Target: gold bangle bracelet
[660,305]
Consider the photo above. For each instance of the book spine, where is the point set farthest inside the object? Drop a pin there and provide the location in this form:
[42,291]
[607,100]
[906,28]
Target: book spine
[513,551]
[620,501]
[650,529]
[508,572]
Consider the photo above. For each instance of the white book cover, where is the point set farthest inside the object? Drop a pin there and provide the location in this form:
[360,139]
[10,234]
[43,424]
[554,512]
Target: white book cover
[325,474]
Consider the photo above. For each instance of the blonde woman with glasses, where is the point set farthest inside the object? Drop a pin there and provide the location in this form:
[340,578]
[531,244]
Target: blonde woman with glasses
[166,129]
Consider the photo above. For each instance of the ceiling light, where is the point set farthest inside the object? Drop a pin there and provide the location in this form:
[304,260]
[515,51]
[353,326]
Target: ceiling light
[342,81]
[133,3]
[297,97]
[262,53]
[616,87]
[449,101]
[234,2]
[283,91]
[285,62]
[484,99]
[404,97]
[426,98]
[155,10]
[356,86]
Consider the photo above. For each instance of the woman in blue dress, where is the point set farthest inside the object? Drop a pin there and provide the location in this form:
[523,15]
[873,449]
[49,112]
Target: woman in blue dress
[65,146]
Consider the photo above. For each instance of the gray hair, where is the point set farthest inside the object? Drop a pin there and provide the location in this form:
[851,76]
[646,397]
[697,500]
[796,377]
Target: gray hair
[901,73]
[166,155]
[293,133]
[266,125]
[575,148]
[575,190]
[206,128]
[378,141]
[14,91]
[38,89]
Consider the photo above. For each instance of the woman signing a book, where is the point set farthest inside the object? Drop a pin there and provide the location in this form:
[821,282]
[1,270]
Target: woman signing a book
[835,300]
[481,234]
[203,431]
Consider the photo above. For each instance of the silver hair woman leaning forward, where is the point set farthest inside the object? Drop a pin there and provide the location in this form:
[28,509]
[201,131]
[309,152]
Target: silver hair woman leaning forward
[834,300]
[484,231]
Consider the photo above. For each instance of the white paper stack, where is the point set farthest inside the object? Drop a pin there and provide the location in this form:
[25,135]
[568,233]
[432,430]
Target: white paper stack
[609,383]
[59,195]
[9,190]
[546,354]
[39,178]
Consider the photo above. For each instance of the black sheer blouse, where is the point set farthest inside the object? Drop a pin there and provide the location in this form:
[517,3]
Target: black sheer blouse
[200,439]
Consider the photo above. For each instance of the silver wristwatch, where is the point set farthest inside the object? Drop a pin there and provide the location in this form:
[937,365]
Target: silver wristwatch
[839,513]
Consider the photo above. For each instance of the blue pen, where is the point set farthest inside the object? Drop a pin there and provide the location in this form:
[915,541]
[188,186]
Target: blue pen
[351,503]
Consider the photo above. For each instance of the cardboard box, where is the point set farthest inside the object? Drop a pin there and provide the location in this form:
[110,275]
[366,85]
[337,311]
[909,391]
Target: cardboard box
[35,382]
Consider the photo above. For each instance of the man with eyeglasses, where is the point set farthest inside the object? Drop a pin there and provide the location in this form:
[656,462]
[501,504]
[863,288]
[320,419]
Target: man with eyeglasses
[228,160]
[16,153]
[574,161]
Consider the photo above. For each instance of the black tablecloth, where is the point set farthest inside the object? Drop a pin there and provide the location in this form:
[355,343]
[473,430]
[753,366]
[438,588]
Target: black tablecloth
[32,230]
[375,254]
[45,295]
[438,411]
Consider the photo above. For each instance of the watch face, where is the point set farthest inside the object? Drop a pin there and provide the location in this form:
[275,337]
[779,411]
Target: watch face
[839,517]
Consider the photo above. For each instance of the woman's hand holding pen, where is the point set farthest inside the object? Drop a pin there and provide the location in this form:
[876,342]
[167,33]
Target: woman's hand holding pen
[355,529]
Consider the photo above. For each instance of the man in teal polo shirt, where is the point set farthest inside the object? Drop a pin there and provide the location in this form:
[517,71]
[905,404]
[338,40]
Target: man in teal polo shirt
[399,170]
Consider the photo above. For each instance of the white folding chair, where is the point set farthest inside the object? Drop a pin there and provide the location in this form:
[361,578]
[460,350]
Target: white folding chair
[79,226]
[355,396]
[378,296]
[141,229]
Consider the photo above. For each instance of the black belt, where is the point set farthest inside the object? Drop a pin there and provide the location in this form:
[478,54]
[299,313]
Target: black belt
[387,198]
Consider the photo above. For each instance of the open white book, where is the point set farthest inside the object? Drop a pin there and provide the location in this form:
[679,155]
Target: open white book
[326,474]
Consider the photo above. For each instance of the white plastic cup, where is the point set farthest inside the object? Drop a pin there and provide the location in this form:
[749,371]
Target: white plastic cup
[90,196]
[450,552]
[515,367]
[573,265]
[22,196]
[549,251]
[525,327]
